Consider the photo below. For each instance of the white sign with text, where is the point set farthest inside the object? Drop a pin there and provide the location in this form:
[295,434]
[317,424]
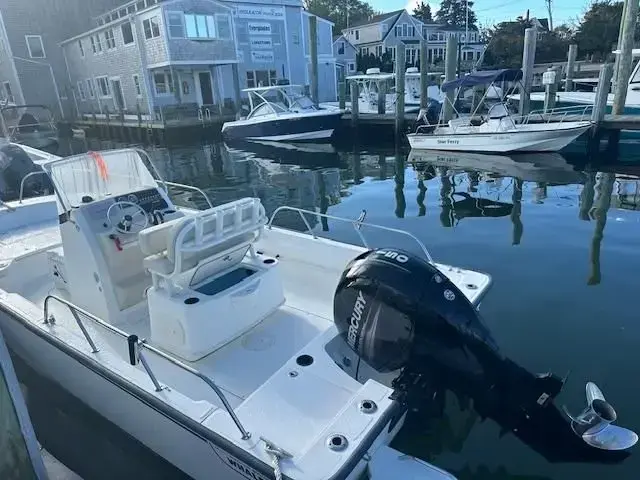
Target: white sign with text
[263,57]
[261,43]
[262,12]
[259,28]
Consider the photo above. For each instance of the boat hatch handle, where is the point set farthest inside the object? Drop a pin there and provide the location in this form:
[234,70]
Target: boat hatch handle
[140,345]
[357,225]
[42,172]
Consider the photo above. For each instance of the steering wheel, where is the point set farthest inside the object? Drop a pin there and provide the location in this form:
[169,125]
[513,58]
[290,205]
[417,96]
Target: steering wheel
[126,222]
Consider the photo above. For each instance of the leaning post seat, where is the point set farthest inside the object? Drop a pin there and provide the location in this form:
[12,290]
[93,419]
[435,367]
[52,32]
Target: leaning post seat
[208,284]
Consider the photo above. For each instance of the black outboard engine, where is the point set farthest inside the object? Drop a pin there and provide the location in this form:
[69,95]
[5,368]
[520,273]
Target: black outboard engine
[411,327]
[15,164]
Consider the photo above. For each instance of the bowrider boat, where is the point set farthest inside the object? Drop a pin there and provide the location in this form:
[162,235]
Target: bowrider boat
[283,113]
[236,349]
[497,130]
[31,125]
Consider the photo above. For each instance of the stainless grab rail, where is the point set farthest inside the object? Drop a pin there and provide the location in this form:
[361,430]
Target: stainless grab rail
[23,180]
[357,225]
[141,344]
[192,188]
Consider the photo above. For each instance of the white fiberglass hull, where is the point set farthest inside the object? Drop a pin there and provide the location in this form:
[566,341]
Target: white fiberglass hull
[521,140]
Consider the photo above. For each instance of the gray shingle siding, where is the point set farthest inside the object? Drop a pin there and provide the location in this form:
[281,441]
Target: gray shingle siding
[181,49]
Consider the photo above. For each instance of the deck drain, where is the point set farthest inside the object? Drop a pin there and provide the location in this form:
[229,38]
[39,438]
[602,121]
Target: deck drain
[337,442]
[293,374]
[304,360]
[269,261]
[368,406]
[471,286]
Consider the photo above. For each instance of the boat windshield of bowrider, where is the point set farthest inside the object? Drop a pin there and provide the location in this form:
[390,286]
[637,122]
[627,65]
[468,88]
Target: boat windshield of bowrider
[232,347]
[498,130]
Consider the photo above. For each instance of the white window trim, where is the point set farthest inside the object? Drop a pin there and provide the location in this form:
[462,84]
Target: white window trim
[228,18]
[168,93]
[81,48]
[133,36]
[124,99]
[184,27]
[139,85]
[26,39]
[91,88]
[99,90]
[144,34]
[106,39]
[81,93]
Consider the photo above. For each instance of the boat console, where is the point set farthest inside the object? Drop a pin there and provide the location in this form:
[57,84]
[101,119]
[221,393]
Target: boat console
[195,275]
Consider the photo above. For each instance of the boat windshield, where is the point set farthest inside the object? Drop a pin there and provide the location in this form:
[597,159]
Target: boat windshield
[99,175]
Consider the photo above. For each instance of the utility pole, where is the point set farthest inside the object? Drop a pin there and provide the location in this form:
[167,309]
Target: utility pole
[549,7]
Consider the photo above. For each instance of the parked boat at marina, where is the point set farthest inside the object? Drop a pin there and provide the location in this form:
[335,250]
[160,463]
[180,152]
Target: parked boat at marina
[31,125]
[283,113]
[497,131]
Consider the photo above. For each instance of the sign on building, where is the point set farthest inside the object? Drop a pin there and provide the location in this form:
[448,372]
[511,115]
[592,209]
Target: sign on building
[262,57]
[259,43]
[259,28]
[260,12]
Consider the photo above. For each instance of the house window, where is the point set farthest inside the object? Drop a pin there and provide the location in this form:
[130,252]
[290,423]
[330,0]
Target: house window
[379,50]
[251,79]
[151,27]
[200,26]
[34,44]
[397,31]
[352,67]
[8,92]
[104,90]
[93,44]
[136,84]
[405,30]
[261,78]
[111,41]
[357,34]
[81,48]
[96,44]
[175,20]
[81,93]
[412,31]
[223,25]
[163,83]
[90,88]
[340,48]
[127,33]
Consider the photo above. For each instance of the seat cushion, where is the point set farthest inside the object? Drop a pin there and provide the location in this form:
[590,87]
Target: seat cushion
[154,239]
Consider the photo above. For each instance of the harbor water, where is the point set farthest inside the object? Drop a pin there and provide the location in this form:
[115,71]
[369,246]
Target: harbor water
[559,235]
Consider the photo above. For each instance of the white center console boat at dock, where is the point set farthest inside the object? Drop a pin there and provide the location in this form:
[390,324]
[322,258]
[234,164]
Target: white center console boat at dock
[236,349]
[498,131]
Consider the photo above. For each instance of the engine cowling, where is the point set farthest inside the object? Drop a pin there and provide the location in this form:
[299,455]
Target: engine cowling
[394,309]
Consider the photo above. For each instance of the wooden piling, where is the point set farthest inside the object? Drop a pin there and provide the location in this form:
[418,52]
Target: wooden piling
[355,106]
[571,65]
[313,51]
[236,88]
[602,93]
[628,25]
[450,74]
[528,59]
[616,66]
[424,100]
[342,94]
[382,98]
[550,91]
[400,71]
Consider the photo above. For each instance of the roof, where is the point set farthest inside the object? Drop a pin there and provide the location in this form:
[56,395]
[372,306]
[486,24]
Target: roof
[455,28]
[376,19]
[483,77]
[544,22]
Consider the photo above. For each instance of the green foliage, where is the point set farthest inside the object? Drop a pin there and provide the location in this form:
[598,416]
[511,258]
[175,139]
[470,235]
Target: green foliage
[336,11]
[454,12]
[597,33]
[506,42]
[423,12]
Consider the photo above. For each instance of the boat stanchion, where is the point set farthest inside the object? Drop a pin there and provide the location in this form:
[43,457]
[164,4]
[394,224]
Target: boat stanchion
[135,356]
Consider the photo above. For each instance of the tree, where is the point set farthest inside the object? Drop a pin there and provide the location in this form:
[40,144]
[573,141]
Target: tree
[506,42]
[340,11]
[423,12]
[454,12]
[597,33]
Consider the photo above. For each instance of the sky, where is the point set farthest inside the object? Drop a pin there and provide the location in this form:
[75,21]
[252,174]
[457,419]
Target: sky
[490,12]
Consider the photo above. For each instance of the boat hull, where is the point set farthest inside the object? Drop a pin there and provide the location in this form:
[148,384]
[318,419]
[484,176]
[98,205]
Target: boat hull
[500,142]
[293,128]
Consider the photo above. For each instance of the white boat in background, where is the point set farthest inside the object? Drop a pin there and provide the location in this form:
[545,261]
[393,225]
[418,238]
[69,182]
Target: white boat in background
[412,87]
[497,131]
[283,113]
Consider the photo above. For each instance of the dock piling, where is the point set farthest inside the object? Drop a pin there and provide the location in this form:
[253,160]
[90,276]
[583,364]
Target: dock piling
[382,99]
[342,94]
[450,74]
[355,107]
[550,89]
[400,70]
[313,51]
[528,59]
[571,65]
[424,100]
[627,25]
[602,93]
